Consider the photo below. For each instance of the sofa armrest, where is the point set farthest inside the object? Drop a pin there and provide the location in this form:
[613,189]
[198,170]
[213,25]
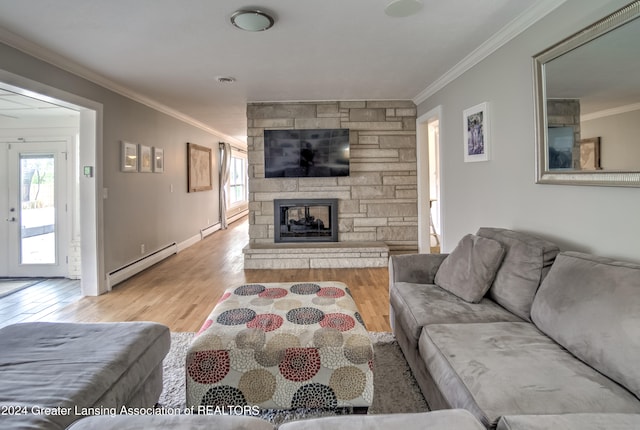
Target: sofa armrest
[414,268]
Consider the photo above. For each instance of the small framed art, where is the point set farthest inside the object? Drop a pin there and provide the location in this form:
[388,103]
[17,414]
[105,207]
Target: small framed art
[129,157]
[146,164]
[476,133]
[158,160]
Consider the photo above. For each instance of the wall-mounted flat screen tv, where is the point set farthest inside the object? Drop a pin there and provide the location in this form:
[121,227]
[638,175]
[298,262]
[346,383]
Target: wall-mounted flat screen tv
[306,153]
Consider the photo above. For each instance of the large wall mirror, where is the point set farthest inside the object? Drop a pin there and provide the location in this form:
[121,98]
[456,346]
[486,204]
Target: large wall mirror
[588,104]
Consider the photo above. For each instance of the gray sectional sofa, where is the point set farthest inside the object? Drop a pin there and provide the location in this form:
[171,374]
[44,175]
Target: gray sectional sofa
[520,330]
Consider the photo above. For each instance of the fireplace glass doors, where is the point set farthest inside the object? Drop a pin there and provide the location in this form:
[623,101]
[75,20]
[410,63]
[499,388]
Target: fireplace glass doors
[308,220]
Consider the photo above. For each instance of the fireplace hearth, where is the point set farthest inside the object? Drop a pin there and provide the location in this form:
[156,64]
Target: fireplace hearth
[305,220]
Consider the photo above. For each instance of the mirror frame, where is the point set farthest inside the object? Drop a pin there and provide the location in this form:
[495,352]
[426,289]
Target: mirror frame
[576,177]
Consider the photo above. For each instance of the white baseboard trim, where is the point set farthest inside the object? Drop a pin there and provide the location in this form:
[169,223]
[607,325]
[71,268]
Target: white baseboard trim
[209,230]
[237,216]
[191,241]
[127,271]
[215,227]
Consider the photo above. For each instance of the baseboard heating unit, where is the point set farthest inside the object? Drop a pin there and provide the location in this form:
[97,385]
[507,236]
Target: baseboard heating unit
[127,271]
[209,230]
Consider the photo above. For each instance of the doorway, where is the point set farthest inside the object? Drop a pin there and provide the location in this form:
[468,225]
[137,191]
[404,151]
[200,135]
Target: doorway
[433,129]
[86,178]
[36,236]
[430,221]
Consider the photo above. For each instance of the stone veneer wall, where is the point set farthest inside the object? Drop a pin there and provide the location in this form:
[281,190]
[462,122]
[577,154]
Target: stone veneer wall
[377,202]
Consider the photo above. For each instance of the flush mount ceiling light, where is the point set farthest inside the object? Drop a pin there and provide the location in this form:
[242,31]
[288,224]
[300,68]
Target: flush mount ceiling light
[252,20]
[403,8]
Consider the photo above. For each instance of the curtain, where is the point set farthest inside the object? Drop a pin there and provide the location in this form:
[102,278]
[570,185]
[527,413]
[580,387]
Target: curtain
[225,167]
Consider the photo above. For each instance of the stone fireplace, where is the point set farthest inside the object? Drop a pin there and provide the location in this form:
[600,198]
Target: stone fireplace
[377,210]
[305,220]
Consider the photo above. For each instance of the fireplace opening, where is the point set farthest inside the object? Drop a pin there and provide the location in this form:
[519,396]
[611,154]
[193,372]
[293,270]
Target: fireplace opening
[306,220]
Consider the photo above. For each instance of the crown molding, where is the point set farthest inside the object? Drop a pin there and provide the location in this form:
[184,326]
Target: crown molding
[70,66]
[610,112]
[507,33]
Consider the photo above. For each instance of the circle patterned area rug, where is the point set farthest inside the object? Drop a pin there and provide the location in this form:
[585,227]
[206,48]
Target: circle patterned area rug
[395,388]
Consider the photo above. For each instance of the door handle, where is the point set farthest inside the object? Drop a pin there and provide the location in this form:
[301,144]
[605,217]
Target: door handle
[12,219]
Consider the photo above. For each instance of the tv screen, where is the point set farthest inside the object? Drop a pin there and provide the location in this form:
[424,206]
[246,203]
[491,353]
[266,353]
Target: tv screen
[306,153]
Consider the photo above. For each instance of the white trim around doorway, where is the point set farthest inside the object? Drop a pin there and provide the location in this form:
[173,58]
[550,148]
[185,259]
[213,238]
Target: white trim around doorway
[422,139]
[90,155]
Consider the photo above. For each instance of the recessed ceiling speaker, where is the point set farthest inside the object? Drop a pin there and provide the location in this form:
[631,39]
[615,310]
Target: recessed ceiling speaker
[403,8]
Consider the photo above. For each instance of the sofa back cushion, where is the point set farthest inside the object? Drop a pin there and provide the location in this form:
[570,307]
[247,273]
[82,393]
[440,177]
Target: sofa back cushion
[591,306]
[470,268]
[526,262]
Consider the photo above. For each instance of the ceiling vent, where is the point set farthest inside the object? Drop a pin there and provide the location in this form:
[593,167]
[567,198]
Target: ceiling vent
[225,79]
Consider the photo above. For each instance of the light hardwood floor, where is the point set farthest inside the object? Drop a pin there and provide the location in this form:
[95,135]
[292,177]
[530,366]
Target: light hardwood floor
[181,290]
[38,302]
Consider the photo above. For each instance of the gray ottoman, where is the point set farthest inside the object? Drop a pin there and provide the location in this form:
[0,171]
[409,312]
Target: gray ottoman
[452,419]
[55,373]
[177,422]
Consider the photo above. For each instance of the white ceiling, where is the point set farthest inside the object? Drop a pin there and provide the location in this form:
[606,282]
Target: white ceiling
[171,51]
[16,107]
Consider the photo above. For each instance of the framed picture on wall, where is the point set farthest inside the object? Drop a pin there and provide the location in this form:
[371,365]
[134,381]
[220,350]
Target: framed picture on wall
[476,133]
[129,157]
[158,160]
[146,164]
[590,154]
[199,163]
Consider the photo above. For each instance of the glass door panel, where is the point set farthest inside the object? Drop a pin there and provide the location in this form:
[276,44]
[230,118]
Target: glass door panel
[37,235]
[37,209]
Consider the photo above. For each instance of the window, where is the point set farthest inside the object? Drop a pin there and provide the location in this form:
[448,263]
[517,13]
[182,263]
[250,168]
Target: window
[238,178]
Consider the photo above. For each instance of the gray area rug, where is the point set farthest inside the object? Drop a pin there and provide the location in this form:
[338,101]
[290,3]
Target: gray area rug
[395,389]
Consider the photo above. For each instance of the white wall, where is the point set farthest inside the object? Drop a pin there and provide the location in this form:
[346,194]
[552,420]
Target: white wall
[502,192]
[619,143]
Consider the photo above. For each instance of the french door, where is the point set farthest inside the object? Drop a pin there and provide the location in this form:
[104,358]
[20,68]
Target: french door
[36,220]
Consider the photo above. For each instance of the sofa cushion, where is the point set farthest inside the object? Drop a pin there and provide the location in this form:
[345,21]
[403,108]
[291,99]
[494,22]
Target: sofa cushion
[526,262]
[470,268]
[438,420]
[591,306]
[571,422]
[172,422]
[417,305]
[509,368]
